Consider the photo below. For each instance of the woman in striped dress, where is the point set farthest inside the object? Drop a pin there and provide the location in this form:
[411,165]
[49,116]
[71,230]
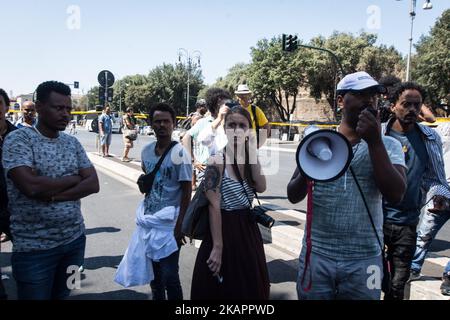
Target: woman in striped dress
[231,263]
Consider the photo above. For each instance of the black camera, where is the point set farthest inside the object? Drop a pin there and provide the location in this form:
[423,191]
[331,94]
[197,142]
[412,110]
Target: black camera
[260,216]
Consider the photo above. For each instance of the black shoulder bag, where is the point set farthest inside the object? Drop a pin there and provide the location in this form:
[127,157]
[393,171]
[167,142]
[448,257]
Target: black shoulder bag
[386,283]
[196,219]
[255,118]
[145,181]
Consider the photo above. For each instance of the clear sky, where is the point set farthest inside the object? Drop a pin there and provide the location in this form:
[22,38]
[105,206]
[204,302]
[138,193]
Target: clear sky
[44,40]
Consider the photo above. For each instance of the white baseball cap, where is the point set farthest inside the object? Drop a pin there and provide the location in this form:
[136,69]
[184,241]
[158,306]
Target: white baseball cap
[359,81]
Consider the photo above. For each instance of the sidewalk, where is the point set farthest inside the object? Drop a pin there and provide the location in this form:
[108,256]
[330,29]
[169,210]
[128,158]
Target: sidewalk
[287,233]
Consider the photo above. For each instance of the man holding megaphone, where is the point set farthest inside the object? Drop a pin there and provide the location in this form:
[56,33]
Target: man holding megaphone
[341,254]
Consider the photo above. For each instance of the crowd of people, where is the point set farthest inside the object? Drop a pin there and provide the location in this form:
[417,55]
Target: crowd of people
[396,173]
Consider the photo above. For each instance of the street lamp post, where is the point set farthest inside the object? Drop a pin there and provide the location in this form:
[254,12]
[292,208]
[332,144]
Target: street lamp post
[191,65]
[412,13]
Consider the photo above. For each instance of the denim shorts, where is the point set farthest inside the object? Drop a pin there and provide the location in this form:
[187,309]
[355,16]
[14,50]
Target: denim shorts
[106,139]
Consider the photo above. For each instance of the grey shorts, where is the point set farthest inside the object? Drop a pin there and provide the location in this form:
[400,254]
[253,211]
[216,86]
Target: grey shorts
[106,139]
[358,279]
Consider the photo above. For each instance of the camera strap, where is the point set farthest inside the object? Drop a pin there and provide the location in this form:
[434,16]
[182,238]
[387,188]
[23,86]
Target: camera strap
[367,207]
[309,218]
[160,161]
[383,255]
[238,174]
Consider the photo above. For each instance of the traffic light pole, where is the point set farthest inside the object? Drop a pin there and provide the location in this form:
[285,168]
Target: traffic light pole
[290,43]
[106,88]
[338,62]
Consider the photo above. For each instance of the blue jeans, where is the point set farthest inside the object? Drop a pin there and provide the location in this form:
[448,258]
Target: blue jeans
[429,226]
[43,275]
[167,278]
[340,280]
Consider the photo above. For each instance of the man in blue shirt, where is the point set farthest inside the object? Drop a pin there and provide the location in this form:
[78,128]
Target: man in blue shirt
[345,254]
[105,130]
[422,148]
[171,188]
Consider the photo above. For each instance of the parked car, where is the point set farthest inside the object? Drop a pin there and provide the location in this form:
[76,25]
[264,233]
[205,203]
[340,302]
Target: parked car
[148,131]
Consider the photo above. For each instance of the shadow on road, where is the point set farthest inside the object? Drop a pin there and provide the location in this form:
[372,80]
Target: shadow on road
[282,271]
[94,263]
[102,229]
[124,294]
[272,197]
[439,245]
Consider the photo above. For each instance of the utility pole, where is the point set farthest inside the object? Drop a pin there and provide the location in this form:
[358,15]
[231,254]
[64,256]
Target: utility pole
[190,66]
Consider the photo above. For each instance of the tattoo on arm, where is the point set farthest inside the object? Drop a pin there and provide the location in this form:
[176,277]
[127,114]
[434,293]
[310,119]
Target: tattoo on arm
[212,178]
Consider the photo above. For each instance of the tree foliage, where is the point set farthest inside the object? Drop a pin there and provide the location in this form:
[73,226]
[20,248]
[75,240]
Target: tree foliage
[236,75]
[431,64]
[276,76]
[165,83]
[356,53]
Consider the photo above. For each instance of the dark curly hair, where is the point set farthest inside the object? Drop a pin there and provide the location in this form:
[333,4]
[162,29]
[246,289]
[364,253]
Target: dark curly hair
[5,97]
[389,81]
[402,87]
[44,90]
[164,107]
[213,96]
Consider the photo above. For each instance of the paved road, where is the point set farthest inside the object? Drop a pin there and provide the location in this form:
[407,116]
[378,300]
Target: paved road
[109,217]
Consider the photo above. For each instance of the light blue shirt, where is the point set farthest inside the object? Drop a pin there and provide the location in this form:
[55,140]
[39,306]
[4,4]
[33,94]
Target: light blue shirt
[341,228]
[166,190]
[201,152]
[107,122]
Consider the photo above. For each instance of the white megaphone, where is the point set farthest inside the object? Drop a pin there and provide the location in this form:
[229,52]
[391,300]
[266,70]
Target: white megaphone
[323,155]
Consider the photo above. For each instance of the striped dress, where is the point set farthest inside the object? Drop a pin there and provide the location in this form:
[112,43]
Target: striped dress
[243,270]
[233,195]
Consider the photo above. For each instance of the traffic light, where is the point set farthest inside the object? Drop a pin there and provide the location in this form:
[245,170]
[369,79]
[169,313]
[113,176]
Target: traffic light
[110,94]
[290,43]
[76,84]
[101,95]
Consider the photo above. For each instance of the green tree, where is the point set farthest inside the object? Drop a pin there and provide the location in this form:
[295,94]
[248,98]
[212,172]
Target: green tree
[165,83]
[236,75]
[92,98]
[356,53]
[121,88]
[169,84]
[276,76]
[431,64]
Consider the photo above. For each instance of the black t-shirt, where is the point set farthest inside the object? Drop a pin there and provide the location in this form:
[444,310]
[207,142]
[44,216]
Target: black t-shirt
[3,191]
[407,212]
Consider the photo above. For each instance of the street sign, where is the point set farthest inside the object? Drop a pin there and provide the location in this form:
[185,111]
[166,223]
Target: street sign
[76,84]
[105,78]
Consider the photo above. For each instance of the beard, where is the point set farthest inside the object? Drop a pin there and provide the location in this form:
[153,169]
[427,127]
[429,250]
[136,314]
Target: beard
[351,119]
